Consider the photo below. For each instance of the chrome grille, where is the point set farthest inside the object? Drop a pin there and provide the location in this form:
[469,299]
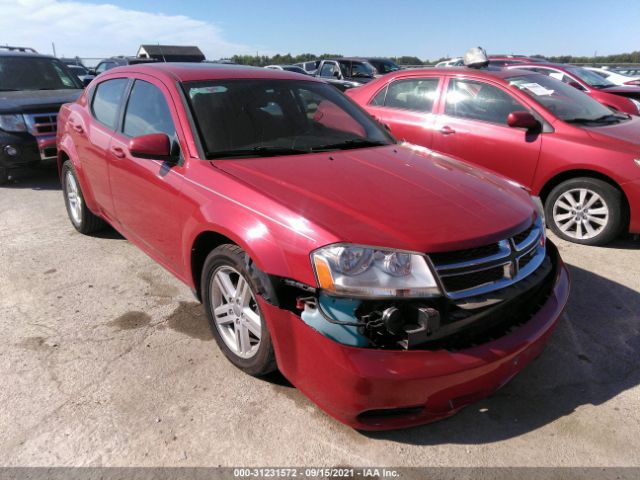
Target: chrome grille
[41,124]
[478,271]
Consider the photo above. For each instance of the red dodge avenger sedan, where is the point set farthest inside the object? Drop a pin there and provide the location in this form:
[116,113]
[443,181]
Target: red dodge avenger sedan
[392,285]
[580,157]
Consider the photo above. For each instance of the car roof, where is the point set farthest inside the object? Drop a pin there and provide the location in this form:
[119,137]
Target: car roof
[12,53]
[189,72]
[490,72]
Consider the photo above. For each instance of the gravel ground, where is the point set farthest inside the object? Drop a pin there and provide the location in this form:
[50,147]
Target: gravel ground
[107,360]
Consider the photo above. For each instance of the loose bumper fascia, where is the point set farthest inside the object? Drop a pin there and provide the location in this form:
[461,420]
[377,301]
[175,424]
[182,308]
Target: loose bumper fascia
[348,381]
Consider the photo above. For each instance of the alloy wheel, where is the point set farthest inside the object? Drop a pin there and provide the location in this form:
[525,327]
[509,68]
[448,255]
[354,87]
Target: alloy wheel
[580,213]
[73,198]
[235,312]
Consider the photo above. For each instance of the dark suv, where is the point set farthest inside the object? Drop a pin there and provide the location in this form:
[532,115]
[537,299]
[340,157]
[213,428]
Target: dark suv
[113,62]
[32,88]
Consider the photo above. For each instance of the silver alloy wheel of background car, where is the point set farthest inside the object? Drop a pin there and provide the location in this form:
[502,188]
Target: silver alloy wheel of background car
[580,213]
[73,197]
[235,311]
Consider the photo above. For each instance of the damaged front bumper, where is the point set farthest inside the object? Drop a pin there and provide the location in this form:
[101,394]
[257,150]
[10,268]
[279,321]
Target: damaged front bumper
[376,389]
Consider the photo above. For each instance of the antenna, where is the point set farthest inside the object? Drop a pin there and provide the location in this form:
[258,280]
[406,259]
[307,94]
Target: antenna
[162,53]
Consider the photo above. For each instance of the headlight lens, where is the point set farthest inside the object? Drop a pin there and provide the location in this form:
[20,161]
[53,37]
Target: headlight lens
[360,271]
[636,103]
[13,123]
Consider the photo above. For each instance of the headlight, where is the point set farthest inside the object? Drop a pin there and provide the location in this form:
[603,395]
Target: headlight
[537,201]
[13,123]
[359,271]
[636,103]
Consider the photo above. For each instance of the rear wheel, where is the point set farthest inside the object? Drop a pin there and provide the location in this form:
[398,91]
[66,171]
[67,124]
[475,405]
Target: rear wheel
[585,210]
[229,292]
[81,217]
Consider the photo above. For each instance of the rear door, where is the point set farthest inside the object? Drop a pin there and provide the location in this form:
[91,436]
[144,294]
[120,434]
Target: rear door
[92,140]
[147,192]
[406,106]
[473,127]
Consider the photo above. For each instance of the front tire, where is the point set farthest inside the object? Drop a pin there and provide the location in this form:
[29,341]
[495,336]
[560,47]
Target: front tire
[585,210]
[83,220]
[229,290]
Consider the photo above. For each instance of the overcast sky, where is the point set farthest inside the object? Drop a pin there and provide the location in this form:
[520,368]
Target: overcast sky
[428,29]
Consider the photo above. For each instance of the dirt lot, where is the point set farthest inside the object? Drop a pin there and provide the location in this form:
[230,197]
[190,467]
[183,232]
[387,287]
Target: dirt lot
[106,359]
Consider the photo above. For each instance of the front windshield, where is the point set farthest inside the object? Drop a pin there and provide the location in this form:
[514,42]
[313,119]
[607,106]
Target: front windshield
[563,100]
[278,117]
[35,73]
[590,78]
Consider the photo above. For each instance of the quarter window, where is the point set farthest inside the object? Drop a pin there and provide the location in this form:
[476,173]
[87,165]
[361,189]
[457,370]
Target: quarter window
[479,101]
[418,94]
[106,101]
[147,111]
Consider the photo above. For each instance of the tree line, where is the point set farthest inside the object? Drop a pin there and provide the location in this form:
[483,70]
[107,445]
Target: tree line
[288,59]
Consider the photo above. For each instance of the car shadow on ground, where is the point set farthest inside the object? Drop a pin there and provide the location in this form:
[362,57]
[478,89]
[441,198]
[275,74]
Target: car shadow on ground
[43,177]
[590,359]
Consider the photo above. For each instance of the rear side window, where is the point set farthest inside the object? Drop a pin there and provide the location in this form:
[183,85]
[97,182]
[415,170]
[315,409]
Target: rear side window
[418,95]
[106,101]
[479,101]
[328,70]
[147,111]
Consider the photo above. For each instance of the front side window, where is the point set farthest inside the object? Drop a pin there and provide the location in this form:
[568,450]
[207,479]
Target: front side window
[35,73]
[256,118]
[479,101]
[564,101]
[361,69]
[106,101]
[147,111]
[328,69]
[417,94]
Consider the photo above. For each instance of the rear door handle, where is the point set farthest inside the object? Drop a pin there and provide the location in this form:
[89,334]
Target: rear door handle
[447,130]
[117,152]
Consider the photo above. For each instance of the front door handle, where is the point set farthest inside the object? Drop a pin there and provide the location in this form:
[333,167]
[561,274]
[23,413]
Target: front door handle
[447,130]
[117,152]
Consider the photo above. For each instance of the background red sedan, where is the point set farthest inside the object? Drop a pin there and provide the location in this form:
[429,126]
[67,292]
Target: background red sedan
[580,157]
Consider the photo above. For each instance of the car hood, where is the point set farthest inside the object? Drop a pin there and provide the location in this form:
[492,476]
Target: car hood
[627,131]
[27,101]
[393,196]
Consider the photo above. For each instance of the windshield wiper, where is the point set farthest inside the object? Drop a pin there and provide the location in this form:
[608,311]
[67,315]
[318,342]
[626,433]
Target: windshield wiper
[348,144]
[604,118]
[255,152]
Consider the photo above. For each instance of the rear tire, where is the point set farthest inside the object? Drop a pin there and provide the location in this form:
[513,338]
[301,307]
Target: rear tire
[585,210]
[229,289]
[83,220]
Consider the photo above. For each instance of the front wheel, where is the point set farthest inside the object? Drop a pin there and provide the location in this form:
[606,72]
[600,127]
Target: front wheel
[229,292]
[585,210]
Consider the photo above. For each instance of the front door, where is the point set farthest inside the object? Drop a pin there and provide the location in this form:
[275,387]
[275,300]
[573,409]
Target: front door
[473,127]
[147,192]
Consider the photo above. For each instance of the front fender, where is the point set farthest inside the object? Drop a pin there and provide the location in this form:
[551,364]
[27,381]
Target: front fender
[277,240]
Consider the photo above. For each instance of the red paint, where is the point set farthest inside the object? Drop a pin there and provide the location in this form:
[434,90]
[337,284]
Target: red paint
[532,160]
[279,209]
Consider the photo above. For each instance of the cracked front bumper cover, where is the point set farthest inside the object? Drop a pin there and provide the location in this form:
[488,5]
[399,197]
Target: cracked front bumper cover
[374,389]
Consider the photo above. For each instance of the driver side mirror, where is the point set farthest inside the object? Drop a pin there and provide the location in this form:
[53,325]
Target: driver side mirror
[522,120]
[336,74]
[155,146]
